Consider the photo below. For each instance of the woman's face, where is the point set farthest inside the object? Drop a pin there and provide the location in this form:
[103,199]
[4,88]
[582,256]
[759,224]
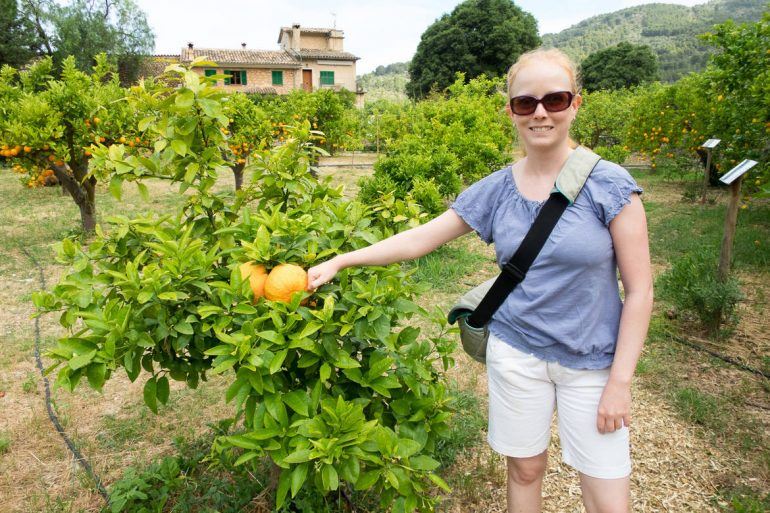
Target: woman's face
[543,129]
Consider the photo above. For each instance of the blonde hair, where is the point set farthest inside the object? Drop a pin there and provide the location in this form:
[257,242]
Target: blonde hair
[553,55]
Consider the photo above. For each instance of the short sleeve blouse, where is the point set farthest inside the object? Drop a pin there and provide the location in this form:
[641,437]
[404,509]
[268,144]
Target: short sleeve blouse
[568,307]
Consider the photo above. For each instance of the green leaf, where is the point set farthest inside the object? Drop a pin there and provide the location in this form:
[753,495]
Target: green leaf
[162,390]
[440,483]
[423,462]
[184,327]
[96,373]
[245,309]
[329,478]
[179,147]
[144,296]
[367,480]
[144,123]
[184,99]
[351,469]
[284,482]
[297,400]
[246,456]
[407,447]
[81,360]
[143,192]
[300,456]
[116,183]
[298,476]
[277,361]
[242,441]
[150,395]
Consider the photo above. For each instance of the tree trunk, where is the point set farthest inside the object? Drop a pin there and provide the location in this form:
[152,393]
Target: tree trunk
[82,191]
[238,172]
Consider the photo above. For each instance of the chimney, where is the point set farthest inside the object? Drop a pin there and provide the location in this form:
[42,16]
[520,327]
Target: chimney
[295,37]
[190,46]
[243,45]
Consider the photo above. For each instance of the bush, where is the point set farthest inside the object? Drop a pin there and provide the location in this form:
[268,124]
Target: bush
[616,153]
[692,286]
[426,193]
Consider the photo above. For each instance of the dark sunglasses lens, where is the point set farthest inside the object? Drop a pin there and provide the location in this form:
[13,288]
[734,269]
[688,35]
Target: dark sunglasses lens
[523,105]
[556,102]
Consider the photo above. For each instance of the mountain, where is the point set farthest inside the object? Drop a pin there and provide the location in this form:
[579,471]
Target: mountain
[670,30]
[386,82]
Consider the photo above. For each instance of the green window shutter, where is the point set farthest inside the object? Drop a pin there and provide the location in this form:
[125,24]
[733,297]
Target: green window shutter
[327,78]
[229,73]
[278,78]
[210,72]
[243,77]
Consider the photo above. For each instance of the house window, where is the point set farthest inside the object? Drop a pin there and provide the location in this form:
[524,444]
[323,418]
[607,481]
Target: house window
[278,78]
[210,72]
[235,77]
[327,78]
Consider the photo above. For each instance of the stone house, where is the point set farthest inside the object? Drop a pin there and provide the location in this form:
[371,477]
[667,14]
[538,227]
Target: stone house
[308,58]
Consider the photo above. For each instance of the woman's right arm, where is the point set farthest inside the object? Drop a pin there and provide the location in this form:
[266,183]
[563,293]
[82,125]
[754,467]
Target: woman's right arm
[406,245]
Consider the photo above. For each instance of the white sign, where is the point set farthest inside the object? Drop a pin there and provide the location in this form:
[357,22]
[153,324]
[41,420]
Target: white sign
[711,143]
[737,171]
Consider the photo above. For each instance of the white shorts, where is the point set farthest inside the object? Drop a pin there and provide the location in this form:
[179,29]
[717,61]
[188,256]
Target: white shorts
[523,393]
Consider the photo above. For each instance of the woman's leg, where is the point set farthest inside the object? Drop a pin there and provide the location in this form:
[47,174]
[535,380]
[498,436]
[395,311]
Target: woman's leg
[525,483]
[605,495]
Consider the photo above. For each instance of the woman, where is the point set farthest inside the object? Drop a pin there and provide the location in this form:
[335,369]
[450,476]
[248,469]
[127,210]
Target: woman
[563,336]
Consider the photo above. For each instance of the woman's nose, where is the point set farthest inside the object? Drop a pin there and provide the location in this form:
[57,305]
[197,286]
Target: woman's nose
[540,111]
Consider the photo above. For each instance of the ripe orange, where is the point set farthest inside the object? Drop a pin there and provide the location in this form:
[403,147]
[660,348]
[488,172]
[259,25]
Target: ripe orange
[283,281]
[257,275]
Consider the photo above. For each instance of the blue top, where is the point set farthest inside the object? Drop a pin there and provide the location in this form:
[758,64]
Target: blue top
[568,307]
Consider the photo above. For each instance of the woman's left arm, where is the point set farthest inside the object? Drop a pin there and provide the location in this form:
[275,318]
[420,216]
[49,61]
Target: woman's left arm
[632,251]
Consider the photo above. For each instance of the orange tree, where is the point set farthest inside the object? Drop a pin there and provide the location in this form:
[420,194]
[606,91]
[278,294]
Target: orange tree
[249,131]
[338,393]
[49,125]
[730,101]
[331,112]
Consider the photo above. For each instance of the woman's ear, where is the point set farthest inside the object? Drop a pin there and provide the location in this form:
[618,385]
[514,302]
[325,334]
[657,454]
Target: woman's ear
[577,101]
[508,110]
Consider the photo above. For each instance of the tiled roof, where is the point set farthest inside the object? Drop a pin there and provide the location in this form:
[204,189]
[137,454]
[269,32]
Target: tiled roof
[154,65]
[257,89]
[225,56]
[308,53]
[314,30]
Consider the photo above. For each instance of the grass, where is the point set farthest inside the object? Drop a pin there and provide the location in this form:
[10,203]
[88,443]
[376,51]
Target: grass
[444,267]
[706,391]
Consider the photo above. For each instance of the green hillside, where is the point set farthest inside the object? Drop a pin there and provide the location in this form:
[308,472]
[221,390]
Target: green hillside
[386,82]
[670,30]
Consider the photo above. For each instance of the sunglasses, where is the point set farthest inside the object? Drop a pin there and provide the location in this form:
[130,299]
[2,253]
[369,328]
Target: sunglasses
[552,102]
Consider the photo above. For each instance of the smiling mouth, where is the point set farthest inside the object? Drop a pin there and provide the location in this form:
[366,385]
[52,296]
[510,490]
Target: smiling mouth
[541,128]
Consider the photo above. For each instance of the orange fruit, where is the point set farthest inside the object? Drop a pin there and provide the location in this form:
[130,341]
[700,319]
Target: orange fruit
[283,281]
[257,274]
[122,140]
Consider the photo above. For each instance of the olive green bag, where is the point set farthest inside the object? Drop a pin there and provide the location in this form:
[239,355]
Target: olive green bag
[475,308]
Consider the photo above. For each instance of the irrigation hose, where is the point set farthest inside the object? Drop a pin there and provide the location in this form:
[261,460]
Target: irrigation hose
[715,354]
[48,403]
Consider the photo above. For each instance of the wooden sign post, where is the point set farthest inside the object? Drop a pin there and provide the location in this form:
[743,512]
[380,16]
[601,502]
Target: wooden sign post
[732,178]
[708,146]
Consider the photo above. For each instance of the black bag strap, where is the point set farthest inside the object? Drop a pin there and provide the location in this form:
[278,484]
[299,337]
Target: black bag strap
[516,268]
[570,181]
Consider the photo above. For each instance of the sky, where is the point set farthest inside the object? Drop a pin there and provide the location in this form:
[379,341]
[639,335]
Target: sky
[379,32]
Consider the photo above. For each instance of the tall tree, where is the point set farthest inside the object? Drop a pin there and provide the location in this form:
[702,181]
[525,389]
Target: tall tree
[478,37]
[18,39]
[85,28]
[622,65]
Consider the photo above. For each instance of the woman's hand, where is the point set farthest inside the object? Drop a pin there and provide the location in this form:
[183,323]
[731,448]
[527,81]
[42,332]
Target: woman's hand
[614,407]
[321,274]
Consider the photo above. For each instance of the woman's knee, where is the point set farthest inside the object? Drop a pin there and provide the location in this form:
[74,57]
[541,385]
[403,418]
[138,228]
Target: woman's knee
[525,471]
